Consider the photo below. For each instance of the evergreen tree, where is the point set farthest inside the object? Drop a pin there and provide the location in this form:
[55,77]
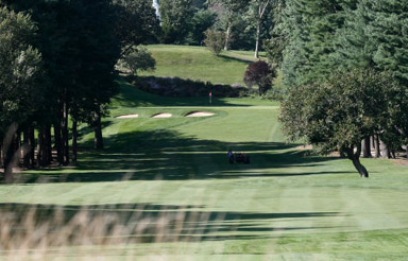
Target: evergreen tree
[311,29]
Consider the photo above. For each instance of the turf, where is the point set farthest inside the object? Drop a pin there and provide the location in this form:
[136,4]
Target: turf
[282,206]
[168,184]
[198,63]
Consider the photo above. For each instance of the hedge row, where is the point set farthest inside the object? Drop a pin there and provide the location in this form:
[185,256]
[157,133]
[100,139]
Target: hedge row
[177,87]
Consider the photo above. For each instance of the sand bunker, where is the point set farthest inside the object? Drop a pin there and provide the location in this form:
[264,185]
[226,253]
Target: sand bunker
[130,116]
[162,115]
[200,114]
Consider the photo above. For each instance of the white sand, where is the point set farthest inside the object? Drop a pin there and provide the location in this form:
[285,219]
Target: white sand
[130,116]
[162,115]
[200,114]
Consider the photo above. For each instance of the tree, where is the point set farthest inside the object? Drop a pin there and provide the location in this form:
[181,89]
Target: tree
[79,53]
[214,40]
[278,36]
[138,60]
[97,53]
[341,112]
[229,13]
[260,73]
[311,31]
[175,20]
[202,20]
[259,10]
[20,68]
[137,23]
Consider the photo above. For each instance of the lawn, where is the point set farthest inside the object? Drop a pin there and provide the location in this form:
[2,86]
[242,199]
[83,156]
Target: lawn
[167,184]
[164,190]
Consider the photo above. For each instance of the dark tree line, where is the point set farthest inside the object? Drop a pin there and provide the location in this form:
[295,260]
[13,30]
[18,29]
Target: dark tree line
[57,69]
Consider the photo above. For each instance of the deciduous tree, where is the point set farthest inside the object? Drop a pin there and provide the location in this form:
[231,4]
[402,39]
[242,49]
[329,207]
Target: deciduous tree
[339,113]
[20,91]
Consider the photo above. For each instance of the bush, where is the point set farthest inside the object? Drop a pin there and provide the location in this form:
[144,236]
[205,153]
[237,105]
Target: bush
[214,41]
[138,59]
[259,73]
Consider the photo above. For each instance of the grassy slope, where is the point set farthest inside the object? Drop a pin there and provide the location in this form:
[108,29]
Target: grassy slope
[197,63]
[282,206]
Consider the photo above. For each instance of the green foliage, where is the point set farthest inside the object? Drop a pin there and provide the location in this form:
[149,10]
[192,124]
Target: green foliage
[175,20]
[139,59]
[20,69]
[215,40]
[341,112]
[201,21]
[137,23]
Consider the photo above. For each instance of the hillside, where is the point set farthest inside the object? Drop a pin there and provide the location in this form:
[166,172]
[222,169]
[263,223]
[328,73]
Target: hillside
[198,63]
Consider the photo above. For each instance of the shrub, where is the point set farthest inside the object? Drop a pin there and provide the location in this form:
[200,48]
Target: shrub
[259,73]
[138,59]
[214,41]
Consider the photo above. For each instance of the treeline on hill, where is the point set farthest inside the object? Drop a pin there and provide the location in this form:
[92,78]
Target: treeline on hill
[345,66]
[57,61]
[244,23]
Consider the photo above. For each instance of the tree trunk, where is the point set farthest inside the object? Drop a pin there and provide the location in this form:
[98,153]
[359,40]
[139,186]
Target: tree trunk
[367,148]
[257,40]
[58,143]
[74,141]
[384,151]
[227,43]
[65,135]
[377,147]
[360,168]
[48,143]
[354,156]
[9,162]
[27,148]
[33,145]
[9,150]
[45,147]
[406,151]
[98,132]
[1,155]
[262,7]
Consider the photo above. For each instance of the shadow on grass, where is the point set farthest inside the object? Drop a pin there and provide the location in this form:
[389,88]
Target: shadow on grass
[147,223]
[166,155]
[227,58]
[130,96]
